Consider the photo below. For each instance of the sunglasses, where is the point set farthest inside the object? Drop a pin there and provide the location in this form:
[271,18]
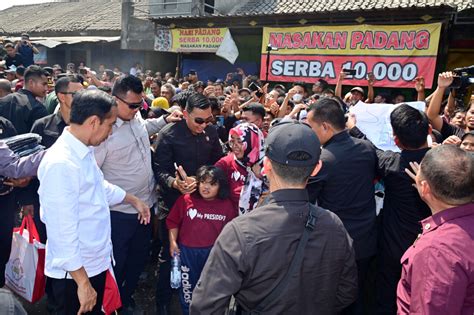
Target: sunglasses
[201,121]
[131,105]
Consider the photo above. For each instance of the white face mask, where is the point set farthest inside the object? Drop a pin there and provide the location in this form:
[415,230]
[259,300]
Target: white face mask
[297,97]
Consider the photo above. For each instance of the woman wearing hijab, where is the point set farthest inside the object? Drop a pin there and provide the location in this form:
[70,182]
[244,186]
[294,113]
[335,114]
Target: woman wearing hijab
[243,165]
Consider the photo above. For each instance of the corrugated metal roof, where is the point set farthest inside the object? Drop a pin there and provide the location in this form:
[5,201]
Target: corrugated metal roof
[265,7]
[86,16]
[282,7]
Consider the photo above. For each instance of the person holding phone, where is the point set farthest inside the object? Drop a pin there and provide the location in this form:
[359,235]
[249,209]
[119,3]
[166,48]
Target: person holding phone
[356,94]
[26,49]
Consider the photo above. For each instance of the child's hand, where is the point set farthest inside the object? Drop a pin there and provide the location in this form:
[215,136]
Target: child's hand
[174,249]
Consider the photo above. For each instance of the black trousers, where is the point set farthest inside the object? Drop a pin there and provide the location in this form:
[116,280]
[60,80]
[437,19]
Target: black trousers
[163,288]
[359,306]
[131,241]
[64,300]
[7,221]
[389,271]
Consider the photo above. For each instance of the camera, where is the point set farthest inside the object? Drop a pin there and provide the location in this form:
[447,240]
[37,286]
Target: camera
[462,82]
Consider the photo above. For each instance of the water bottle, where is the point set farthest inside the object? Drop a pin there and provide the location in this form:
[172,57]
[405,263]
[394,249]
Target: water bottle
[175,279]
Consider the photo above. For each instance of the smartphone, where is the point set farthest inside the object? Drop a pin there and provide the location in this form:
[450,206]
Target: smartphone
[253,86]
[349,71]
[370,75]
[220,120]
[181,176]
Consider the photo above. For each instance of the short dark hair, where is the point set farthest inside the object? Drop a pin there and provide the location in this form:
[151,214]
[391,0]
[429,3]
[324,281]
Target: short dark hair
[449,172]
[34,72]
[89,103]
[127,83]
[215,175]
[157,82]
[255,108]
[219,84]
[20,70]
[63,83]
[109,73]
[410,126]
[197,100]
[215,105]
[300,83]
[295,175]
[323,83]
[328,110]
[459,110]
[181,98]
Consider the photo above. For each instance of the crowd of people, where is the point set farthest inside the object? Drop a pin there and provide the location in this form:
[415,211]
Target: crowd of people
[265,191]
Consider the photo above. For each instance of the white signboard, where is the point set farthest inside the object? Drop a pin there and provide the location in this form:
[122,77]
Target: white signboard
[374,121]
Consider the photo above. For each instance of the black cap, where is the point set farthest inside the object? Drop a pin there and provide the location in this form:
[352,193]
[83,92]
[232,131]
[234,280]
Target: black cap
[290,137]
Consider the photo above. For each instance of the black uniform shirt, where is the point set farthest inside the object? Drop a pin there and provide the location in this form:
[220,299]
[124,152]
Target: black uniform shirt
[49,128]
[176,143]
[345,186]
[403,208]
[254,251]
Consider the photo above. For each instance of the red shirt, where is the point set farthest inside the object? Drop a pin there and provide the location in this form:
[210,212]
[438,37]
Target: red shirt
[199,221]
[438,270]
[236,176]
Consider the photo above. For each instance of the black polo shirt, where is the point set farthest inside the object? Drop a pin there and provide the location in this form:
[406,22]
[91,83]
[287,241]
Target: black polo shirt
[16,60]
[176,143]
[255,250]
[49,128]
[345,186]
[403,208]
[22,109]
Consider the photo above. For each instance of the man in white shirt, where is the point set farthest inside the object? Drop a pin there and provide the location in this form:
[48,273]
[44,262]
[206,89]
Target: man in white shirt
[125,160]
[75,201]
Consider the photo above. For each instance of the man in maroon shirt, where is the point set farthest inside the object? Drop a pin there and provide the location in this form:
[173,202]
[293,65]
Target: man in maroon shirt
[438,270]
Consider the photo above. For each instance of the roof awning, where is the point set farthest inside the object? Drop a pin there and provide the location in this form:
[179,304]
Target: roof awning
[52,42]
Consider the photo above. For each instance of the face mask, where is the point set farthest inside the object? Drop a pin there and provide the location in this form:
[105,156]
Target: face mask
[297,97]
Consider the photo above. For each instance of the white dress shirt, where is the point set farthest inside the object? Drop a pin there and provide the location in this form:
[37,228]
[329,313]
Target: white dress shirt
[125,159]
[75,201]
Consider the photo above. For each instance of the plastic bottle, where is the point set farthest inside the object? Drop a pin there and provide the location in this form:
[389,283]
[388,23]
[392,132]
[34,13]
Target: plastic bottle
[175,278]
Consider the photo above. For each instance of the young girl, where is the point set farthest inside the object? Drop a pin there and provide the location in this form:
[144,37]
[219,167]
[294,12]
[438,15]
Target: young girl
[194,224]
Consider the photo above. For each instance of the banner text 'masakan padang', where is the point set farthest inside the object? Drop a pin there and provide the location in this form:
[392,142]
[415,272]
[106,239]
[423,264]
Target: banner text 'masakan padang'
[394,54]
[364,40]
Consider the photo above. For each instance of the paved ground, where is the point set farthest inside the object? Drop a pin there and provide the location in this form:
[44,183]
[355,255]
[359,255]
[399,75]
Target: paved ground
[144,296]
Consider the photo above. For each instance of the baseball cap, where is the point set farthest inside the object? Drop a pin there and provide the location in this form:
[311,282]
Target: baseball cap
[288,137]
[358,89]
[11,69]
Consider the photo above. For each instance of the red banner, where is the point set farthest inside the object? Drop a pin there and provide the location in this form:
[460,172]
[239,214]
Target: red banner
[389,71]
[395,54]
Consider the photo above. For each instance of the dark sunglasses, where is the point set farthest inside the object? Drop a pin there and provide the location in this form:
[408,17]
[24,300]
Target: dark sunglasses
[131,105]
[201,121]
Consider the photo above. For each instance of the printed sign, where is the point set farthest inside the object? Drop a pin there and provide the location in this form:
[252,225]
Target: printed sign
[189,39]
[395,54]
